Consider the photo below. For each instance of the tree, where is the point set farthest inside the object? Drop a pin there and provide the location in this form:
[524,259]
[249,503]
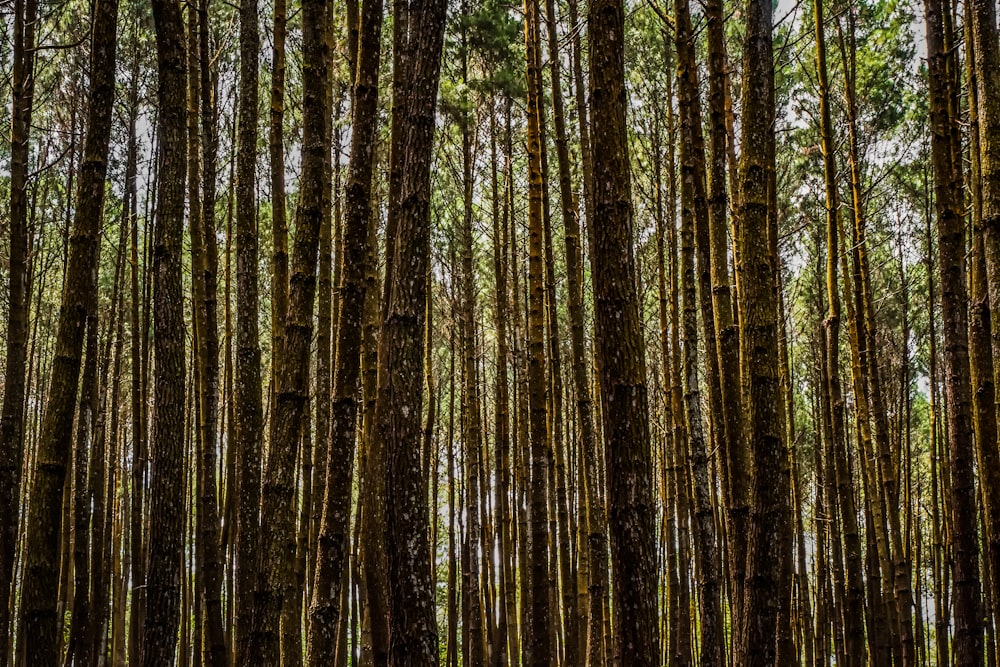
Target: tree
[537,649]
[620,350]
[277,546]
[77,314]
[12,414]
[249,424]
[166,494]
[412,623]
[954,313]
[767,543]
[333,539]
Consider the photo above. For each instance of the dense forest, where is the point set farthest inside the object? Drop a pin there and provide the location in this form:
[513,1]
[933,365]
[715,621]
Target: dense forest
[600,333]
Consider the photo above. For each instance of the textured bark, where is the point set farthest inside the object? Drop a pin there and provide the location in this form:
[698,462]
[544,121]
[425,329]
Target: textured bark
[519,431]
[136,558]
[276,152]
[451,640]
[506,630]
[852,617]
[12,413]
[277,536]
[77,314]
[736,458]
[981,41]
[537,648]
[620,352]
[332,545]
[571,225]
[938,571]
[594,519]
[473,609]
[166,492]
[204,261]
[79,624]
[103,472]
[968,643]
[249,419]
[678,649]
[399,404]
[668,493]
[757,263]
[694,226]
[372,492]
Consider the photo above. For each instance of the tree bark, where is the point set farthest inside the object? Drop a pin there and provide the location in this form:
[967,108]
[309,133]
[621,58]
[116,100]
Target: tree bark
[769,489]
[277,537]
[166,493]
[12,412]
[620,352]
[537,648]
[249,419]
[412,622]
[332,546]
[986,67]
[968,642]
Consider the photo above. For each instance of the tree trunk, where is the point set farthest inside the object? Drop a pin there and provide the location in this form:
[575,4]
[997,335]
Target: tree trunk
[204,260]
[954,310]
[769,490]
[332,546]
[277,539]
[249,419]
[12,414]
[852,616]
[694,223]
[412,622]
[166,494]
[981,40]
[537,648]
[78,313]
[621,357]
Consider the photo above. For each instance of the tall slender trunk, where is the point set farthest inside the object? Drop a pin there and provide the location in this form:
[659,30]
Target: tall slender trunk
[204,260]
[507,602]
[103,476]
[769,490]
[276,153]
[620,351]
[954,309]
[537,621]
[39,636]
[852,614]
[694,220]
[248,412]
[137,404]
[324,611]
[451,640]
[571,225]
[79,626]
[166,492]
[981,40]
[18,297]
[275,583]
[726,331]
[399,404]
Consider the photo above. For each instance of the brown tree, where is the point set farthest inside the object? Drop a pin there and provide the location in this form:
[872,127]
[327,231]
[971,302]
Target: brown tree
[769,527]
[620,351]
[399,404]
[954,314]
[333,543]
[166,488]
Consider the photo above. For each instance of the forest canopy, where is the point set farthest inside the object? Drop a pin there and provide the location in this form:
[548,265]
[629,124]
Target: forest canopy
[487,332]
